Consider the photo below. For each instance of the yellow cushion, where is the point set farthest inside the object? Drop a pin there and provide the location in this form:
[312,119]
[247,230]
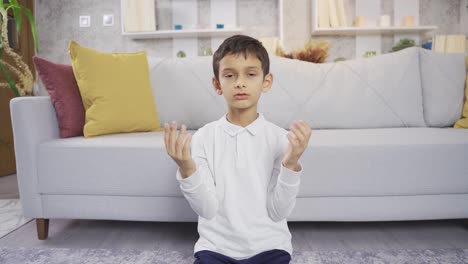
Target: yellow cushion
[116,91]
[463,122]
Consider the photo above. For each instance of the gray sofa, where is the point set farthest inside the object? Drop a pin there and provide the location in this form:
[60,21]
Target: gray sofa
[382,148]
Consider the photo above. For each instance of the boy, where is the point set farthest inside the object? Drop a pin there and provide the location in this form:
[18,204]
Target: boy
[239,173]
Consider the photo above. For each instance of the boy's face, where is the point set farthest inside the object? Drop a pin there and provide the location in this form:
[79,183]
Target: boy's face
[241,80]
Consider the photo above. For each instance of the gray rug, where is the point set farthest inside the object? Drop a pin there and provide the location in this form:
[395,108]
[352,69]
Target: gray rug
[121,256]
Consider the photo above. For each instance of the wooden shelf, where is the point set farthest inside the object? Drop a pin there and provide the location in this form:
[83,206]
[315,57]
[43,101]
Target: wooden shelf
[183,33]
[371,30]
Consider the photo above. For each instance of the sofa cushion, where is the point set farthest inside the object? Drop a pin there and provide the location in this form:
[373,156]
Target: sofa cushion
[339,162]
[383,91]
[115,164]
[61,85]
[376,92]
[116,91]
[463,122]
[185,84]
[443,82]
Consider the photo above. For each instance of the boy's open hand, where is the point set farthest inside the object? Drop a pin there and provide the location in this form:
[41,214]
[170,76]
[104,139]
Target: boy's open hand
[297,145]
[177,149]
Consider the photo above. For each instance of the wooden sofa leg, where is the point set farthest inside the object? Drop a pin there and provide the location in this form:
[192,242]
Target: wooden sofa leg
[42,226]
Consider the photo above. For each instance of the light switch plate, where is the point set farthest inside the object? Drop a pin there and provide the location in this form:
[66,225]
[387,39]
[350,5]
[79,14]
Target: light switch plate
[108,20]
[85,21]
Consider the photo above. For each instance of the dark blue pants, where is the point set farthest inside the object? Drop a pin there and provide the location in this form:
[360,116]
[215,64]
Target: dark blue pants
[275,256]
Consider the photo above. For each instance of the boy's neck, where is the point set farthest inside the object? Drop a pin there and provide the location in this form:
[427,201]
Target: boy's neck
[242,118]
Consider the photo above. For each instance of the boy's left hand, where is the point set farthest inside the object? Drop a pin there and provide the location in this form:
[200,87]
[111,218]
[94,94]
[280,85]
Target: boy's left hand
[297,145]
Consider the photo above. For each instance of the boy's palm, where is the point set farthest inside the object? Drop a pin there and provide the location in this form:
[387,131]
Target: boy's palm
[299,143]
[177,149]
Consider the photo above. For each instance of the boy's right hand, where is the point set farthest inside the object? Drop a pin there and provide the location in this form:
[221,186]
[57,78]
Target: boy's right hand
[178,150]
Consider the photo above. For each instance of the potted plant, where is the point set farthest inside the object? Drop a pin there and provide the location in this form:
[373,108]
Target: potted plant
[18,78]
[19,68]
[315,51]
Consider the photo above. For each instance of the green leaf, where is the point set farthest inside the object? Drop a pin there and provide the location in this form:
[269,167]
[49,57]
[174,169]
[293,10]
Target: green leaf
[9,80]
[33,27]
[16,13]
[18,17]
[14,2]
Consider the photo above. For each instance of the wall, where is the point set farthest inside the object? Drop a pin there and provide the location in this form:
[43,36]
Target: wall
[464,17]
[57,22]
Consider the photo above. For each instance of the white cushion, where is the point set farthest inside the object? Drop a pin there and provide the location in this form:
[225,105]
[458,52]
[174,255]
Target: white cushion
[384,91]
[377,92]
[183,91]
[443,83]
[338,162]
[117,164]
[385,161]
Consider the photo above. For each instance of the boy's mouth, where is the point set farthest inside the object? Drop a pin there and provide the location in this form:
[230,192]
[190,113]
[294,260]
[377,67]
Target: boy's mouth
[241,96]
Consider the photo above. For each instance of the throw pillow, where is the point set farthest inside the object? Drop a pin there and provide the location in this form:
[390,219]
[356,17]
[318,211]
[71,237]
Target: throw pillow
[116,91]
[463,122]
[61,85]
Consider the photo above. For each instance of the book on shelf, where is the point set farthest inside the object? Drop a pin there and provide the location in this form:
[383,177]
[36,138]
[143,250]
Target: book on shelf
[333,14]
[341,13]
[438,43]
[139,15]
[449,43]
[323,16]
[455,44]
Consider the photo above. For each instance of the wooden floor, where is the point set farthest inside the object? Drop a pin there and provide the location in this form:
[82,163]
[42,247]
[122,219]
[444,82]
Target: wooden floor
[182,236]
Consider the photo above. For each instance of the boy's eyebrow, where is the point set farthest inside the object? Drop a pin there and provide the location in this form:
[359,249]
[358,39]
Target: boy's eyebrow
[249,67]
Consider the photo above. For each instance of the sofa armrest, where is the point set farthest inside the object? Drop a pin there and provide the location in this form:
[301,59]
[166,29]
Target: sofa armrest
[34,121]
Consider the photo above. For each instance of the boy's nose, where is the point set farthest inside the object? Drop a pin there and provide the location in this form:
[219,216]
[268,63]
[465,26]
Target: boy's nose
[240,83]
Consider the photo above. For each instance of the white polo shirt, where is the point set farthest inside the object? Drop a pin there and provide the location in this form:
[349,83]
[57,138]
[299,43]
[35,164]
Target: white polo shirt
[241,191]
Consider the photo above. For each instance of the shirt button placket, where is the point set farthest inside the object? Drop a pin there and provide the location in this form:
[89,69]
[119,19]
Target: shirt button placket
[240,157]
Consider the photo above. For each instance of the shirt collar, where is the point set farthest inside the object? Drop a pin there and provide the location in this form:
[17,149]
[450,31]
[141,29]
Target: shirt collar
[233,129]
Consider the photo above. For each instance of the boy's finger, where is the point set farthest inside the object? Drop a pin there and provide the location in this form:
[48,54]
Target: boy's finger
[172,137]
[298,133]
[302,126]
[292,140]
[186,151]
[180,140]
[166,135]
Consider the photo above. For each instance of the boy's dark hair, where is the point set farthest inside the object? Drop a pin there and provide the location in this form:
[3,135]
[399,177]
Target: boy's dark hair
[241,44]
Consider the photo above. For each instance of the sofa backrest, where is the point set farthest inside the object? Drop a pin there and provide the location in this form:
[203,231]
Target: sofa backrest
[376,92]
[183,91]
[443,83]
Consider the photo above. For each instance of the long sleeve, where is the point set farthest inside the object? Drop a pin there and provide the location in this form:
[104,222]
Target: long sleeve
[283,188]
[199,188]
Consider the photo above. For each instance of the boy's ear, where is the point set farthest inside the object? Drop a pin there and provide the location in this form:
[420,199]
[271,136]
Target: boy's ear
[216,86]
[267,82]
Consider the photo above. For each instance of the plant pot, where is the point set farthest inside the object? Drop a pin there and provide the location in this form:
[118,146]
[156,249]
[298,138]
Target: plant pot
[7,152]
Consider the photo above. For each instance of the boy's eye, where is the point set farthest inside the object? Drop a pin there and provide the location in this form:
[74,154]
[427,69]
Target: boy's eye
[228,75]
[252,74]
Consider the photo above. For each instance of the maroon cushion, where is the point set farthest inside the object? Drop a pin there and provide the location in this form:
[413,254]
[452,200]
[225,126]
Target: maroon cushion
[61,85]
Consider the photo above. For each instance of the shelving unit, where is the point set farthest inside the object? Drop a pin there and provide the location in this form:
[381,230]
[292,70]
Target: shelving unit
[182,33]
[185,12]
[369,38]
[223,12]
[372,30]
